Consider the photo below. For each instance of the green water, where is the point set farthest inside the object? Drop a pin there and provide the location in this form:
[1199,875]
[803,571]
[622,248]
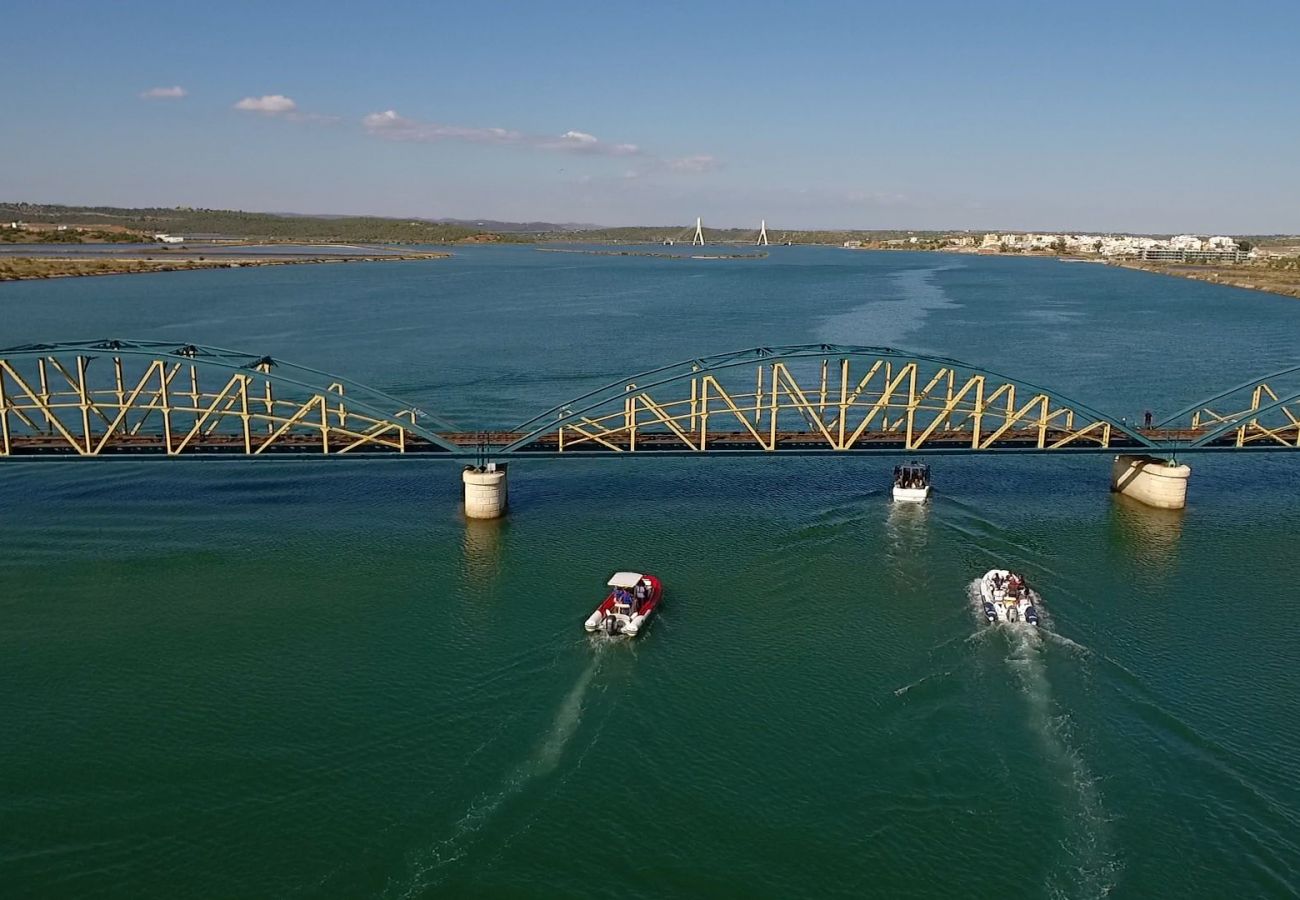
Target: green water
[315,679]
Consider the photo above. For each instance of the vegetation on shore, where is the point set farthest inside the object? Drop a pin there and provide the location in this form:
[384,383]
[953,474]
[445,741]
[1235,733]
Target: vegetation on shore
[138,224]
[21,268]
[246,225]
[70,236]
[1276,276]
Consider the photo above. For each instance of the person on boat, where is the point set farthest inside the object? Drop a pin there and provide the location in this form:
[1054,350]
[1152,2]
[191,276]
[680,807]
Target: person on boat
[638,596]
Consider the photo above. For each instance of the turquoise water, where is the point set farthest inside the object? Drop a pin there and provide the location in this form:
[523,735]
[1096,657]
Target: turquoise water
[315,679]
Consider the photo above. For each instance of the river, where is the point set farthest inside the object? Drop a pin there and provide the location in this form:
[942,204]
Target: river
[315,679]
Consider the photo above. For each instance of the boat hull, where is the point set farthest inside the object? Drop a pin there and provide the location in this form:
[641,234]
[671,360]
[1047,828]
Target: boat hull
[912,495]
[999,608]
[616,619]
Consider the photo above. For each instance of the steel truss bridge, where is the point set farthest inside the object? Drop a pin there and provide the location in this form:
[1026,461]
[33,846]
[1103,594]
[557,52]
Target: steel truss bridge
[153,399]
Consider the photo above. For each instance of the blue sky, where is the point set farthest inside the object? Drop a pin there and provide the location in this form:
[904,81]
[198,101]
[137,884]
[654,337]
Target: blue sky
[1149,116]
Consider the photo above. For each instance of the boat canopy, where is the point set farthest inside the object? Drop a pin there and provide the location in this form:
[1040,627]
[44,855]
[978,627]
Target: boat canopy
[625,579]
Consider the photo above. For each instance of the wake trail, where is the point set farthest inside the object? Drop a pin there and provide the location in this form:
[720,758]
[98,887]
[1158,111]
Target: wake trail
[542,761]
[1089,867]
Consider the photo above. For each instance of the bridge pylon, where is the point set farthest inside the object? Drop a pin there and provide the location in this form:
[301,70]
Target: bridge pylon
[698,239]
[762,234]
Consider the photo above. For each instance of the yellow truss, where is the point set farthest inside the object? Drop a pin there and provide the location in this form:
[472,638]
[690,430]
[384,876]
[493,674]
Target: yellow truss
[1249,428]
[837,411]
[55,403]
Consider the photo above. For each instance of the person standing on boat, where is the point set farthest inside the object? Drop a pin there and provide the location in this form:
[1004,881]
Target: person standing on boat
[639,596]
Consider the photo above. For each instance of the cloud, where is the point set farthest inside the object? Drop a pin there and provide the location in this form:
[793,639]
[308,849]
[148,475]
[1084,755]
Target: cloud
[163,93]
[693,165]
[391,126]
[581,142]
[270,105]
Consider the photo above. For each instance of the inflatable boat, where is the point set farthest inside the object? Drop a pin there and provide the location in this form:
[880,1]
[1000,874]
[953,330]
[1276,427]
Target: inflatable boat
[632,598]
[1007,598]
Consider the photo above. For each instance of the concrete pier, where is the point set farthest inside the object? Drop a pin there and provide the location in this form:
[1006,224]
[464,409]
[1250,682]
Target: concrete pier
[1150,480]
[486,491]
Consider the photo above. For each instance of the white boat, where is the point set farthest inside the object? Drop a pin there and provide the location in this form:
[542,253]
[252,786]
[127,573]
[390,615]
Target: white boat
[912,483]
[1007,598]
[632,598]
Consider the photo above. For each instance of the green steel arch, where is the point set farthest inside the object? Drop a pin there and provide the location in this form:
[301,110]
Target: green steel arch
[587,408]
[84,392]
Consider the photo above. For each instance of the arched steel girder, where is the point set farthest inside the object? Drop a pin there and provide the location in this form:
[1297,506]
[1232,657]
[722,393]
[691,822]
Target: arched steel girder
[1228,426]
[291,376]
[576,409]
[1245,385]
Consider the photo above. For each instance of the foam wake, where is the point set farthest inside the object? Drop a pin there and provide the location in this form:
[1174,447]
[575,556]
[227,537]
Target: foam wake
[427,865]
[1087,867]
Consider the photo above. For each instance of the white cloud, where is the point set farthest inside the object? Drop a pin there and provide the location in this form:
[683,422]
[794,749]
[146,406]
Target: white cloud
[164,93]
[270,105]
[391,126]
[581,142]
[692,165]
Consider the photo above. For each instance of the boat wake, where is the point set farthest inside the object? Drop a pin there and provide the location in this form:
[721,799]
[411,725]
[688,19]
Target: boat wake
[428,865]
[1088,866]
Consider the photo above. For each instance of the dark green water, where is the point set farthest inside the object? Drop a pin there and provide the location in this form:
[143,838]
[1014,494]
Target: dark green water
[314,679]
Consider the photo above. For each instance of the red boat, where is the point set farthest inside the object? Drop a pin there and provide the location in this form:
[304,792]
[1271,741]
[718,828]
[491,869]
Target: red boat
[632,598]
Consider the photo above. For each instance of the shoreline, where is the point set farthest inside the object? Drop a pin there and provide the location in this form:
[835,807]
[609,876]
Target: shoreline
[1246,279]
[39,268]
[1284,282]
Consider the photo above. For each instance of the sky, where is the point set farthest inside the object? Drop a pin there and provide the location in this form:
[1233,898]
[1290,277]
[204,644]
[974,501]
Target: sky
[1099,116]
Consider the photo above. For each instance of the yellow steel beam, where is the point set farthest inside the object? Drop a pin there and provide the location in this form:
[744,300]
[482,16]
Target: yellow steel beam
[709,380]
[157,399]
[126,405]
[659,414]
[1012,417]
[954,400]
[891,385]
[780,374]
[4,417]
[592,437]
[206,413]
[315,401]
[42,406]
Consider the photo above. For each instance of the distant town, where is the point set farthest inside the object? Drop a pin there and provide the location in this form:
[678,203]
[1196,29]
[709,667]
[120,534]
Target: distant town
[1180,248]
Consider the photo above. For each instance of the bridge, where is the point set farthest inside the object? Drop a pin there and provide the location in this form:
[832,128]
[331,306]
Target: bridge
[116,398]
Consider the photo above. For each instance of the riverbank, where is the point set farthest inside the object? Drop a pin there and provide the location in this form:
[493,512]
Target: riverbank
[26,268]
[1280,277]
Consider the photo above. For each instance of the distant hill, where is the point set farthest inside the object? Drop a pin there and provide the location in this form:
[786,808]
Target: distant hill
[237,224]
[251,225]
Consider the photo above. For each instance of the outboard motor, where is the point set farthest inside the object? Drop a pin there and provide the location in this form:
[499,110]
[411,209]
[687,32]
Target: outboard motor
[612,625]
[989,612]
[1031,615]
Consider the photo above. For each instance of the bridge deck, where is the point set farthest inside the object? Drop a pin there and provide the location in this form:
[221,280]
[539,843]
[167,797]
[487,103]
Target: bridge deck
[649,443]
